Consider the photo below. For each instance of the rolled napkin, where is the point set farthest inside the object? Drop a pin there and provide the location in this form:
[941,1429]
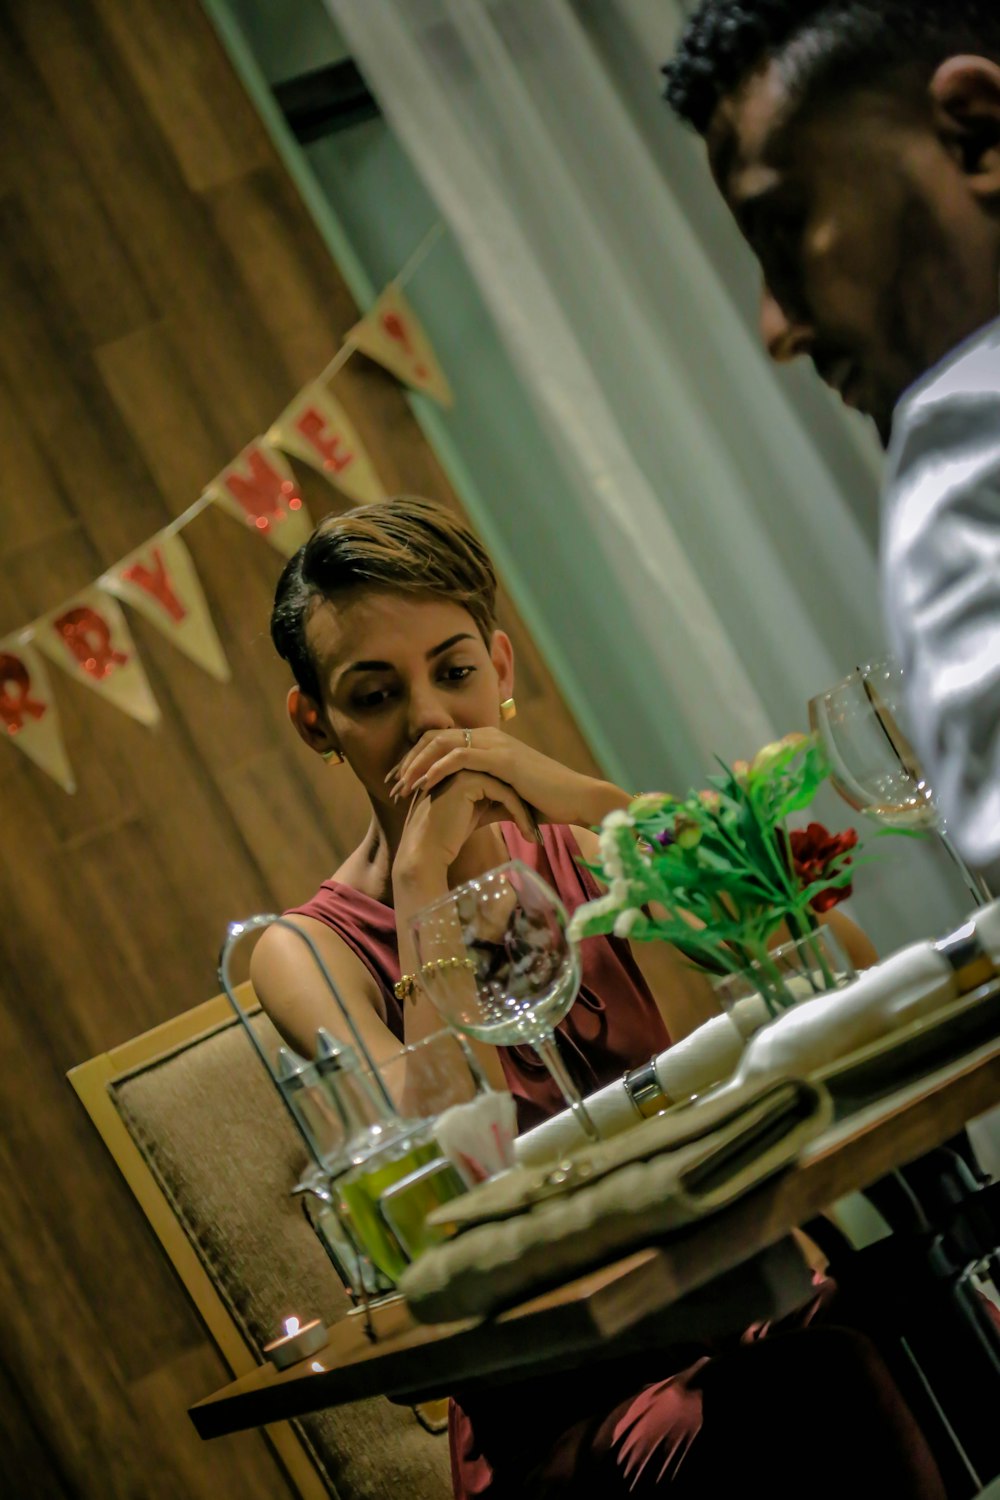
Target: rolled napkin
[707,1057]
[478,1137]
[912,983]
[536,1227]
[710,1054]
[986,922]
[611,1110]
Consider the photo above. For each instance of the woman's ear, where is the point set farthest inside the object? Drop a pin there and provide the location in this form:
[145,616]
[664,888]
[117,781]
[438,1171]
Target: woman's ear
[502,657]
[309,722]
[965,92]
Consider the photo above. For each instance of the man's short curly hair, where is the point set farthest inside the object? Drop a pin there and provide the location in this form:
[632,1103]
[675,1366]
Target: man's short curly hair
[821,42]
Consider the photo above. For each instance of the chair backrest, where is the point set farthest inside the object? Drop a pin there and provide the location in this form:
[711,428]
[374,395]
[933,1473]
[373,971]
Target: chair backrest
[203,1140]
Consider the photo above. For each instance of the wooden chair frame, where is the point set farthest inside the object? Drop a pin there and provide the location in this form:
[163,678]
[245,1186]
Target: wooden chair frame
[93,1081]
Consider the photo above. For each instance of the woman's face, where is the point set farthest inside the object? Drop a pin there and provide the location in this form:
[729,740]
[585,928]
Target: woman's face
[392,666]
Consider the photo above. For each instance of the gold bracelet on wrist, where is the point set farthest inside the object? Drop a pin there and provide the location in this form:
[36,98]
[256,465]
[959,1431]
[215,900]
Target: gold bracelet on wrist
[405,987]
[440,965]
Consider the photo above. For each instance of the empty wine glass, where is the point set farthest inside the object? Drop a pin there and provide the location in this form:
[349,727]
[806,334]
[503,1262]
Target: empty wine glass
[497,963]
[873,765]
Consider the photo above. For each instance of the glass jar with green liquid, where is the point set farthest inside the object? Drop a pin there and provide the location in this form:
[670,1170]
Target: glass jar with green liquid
[381,1149]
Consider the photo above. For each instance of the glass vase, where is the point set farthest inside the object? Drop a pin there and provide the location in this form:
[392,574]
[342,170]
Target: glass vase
[801,970]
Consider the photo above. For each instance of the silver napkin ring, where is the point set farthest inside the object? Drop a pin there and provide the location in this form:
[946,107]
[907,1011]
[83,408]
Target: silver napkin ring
[645,1091]
[967,958]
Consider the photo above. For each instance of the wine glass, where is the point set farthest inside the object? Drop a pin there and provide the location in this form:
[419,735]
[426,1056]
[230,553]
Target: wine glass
[873,764]
[496,961]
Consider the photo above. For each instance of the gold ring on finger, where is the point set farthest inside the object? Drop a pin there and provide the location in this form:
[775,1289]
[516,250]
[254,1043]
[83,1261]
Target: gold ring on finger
[468,738]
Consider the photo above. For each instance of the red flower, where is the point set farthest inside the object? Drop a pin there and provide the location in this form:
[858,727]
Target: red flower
[814,850]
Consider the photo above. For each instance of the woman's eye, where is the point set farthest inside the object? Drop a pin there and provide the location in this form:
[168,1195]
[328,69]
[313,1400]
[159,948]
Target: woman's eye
[374,699]
[458,674]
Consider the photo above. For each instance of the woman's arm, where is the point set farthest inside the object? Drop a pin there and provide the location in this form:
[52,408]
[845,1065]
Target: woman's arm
[294,994]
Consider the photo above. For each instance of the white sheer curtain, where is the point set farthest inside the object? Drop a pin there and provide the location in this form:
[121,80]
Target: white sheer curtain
[733,541]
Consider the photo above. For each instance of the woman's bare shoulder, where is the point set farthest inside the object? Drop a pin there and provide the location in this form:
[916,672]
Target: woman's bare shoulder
[289,985]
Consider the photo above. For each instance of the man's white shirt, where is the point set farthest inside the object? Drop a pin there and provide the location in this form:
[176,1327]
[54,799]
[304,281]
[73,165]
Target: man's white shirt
[941,586]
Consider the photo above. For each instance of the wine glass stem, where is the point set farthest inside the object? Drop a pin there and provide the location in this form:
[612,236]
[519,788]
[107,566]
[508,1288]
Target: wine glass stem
[981,893]
[548,1051]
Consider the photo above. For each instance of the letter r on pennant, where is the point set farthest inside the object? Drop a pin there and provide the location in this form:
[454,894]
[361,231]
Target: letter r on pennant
[16,701]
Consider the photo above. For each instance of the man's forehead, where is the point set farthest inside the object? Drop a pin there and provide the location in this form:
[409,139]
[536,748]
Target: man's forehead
[746,138]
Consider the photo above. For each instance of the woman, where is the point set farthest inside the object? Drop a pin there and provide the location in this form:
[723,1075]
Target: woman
[386,618]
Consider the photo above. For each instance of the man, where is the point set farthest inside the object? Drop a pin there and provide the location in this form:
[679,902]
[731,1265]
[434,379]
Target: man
[857,143]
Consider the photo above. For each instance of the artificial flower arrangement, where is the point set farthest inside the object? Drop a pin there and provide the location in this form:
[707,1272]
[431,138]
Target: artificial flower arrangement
[718,872]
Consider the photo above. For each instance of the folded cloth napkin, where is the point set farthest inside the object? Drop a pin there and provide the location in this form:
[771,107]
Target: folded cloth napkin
[909,984]
[537,1227]
[905,986]
[707,1057]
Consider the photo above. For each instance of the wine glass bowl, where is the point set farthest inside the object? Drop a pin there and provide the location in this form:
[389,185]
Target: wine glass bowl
[872,763]
[860,724]
[496,961]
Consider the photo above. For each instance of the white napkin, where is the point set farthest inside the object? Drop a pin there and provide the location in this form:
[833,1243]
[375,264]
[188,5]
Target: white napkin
[706,1057]
[711,1053]
[906,985]
[611,1110]
[478,1137]
[986,921]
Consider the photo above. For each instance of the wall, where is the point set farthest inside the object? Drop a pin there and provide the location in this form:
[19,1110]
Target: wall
[164,293]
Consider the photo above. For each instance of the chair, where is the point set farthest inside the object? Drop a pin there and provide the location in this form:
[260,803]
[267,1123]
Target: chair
[203,1140]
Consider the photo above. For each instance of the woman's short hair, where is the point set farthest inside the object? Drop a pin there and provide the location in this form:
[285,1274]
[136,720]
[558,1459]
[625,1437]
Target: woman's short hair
[406,544]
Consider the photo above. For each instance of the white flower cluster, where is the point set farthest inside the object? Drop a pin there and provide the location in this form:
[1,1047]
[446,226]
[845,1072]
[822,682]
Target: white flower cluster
[619,890]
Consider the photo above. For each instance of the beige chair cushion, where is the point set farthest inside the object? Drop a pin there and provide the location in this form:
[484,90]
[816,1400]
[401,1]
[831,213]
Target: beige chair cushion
[216,1136]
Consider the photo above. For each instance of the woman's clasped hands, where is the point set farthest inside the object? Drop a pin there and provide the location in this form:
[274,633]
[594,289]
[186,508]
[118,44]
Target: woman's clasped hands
[554,793]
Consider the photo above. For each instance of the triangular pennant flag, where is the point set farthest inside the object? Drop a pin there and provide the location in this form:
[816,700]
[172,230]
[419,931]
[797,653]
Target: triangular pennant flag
[159,580]
[89,638]
[259,488]
[29,718]
[391,334]
[316,428]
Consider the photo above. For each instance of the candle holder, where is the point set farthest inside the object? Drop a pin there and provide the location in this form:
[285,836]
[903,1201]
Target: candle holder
[297,1342]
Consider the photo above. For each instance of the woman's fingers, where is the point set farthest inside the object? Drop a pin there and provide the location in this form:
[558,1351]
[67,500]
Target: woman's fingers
[442,755]
[509,802]
[444,739]
[453,761]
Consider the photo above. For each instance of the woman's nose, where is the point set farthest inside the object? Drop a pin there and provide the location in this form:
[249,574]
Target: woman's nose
[427,711]
[785,337]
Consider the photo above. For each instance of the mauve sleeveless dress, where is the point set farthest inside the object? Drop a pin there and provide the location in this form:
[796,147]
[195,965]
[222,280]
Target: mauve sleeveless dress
[683,1419]
[614,1023]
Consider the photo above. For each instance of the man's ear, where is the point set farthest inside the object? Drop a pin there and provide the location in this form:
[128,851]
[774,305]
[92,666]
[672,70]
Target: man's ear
[310,725]
[502,657]
[965,92]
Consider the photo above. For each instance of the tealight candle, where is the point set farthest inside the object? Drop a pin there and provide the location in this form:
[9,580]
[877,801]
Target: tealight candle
[298,1341]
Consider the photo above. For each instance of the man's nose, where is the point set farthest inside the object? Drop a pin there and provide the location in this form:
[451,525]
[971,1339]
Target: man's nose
[785,337]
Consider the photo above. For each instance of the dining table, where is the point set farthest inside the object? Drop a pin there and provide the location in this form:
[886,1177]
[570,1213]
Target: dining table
[742,1263]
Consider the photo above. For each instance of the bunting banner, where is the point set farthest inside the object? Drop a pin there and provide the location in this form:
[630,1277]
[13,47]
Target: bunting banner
[159,580]
[88,635]
[259,489]
[89,638]
[391,334]
[316,429]
[28,713]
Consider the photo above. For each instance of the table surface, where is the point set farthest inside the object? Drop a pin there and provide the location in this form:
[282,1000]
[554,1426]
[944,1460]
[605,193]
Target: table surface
[623,1305]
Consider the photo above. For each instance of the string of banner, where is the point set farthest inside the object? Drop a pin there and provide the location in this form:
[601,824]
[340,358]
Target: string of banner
[88,635]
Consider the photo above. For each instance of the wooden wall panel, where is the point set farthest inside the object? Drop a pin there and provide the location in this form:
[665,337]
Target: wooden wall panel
[163,295]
